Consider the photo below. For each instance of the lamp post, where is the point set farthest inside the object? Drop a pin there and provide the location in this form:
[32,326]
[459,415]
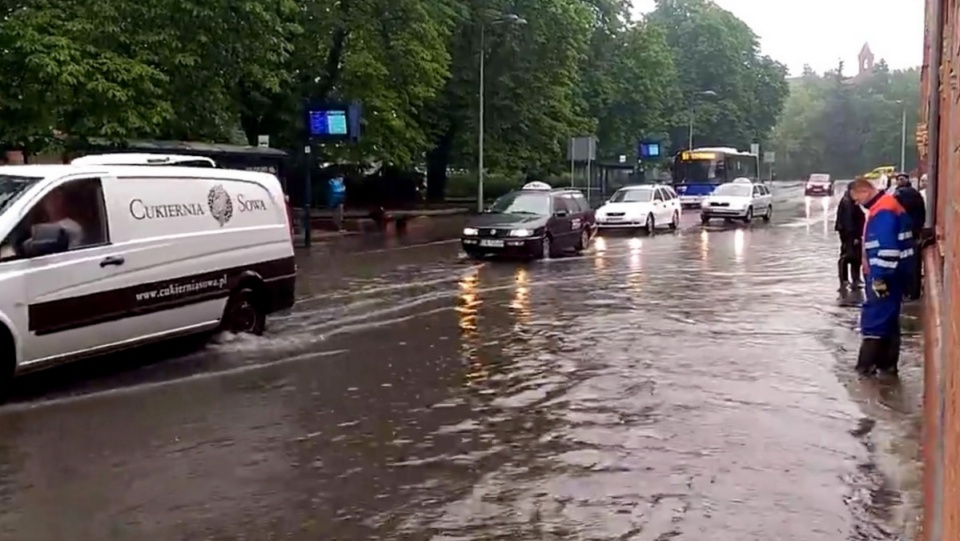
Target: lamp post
[709,93]
[903,135]
[506,18]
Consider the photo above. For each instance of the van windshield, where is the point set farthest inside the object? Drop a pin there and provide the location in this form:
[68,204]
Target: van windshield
[11,187]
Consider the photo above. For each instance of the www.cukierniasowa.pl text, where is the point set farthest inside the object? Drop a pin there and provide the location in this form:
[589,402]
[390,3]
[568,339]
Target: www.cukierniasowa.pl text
[183,288]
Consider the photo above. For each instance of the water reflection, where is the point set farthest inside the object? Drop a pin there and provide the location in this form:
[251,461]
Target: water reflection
[468,306]
[600,244]
[635,274]
[704,245]
[739,244]
[825,205]
[807,205]
[599,263]
[469,303]
[520,304]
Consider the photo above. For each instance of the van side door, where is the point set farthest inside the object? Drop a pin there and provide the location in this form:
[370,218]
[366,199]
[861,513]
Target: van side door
[71,305]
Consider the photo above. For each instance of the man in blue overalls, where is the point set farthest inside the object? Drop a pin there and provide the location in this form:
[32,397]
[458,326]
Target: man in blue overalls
[888,260]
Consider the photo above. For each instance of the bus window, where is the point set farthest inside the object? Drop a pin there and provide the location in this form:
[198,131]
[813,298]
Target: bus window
[691,171]
[742,166]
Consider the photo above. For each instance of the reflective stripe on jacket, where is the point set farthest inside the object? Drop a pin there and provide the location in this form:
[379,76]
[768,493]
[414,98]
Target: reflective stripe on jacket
[888,243]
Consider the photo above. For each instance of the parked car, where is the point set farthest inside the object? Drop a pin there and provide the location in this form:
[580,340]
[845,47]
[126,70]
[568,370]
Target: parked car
[97,258]
[741,199]
[641,207]
[536,221]
[819,184]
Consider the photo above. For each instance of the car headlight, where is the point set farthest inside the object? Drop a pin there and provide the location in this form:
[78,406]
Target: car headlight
[521,233]
[704,204]
[470,231]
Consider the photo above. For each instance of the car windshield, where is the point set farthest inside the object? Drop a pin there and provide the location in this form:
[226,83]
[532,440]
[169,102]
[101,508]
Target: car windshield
[633,195]
[537,203]
[11,187]
[734,190]
[819,178]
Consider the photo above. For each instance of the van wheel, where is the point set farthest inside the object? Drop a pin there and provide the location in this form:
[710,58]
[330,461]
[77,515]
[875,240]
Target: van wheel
[6,377]
[244,313]
[8,363]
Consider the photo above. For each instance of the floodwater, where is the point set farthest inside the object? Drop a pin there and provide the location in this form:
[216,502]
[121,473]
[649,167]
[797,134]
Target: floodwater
[694,385]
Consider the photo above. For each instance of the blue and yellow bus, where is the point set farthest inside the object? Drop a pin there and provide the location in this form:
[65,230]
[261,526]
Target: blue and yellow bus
[697,172]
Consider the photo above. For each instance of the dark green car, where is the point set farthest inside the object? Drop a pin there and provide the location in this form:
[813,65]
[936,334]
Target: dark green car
[536,221]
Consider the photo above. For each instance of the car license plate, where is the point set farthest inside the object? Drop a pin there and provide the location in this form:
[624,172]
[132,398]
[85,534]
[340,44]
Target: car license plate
[614,218]
[488,243]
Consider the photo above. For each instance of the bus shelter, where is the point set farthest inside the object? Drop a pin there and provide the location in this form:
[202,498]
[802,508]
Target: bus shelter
[249,158]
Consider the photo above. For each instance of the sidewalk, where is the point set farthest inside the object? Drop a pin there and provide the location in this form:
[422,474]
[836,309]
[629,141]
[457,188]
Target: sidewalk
[360,220]
[415,230]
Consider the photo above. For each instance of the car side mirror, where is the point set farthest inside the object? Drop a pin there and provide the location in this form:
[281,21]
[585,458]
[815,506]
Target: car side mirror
[561,214]
[45,239]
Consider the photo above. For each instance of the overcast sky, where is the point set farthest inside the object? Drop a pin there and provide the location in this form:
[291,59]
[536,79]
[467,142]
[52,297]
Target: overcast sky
[822,32]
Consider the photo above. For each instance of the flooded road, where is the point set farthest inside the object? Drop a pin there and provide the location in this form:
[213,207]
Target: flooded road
[693,385]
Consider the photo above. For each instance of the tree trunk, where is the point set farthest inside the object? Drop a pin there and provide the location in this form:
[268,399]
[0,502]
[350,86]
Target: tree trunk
[438,160]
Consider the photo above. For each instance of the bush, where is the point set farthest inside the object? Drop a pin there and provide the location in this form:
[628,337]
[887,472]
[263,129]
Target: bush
[461,186]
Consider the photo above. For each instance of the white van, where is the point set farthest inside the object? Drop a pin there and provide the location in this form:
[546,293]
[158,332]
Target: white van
[123,158]
[100,258]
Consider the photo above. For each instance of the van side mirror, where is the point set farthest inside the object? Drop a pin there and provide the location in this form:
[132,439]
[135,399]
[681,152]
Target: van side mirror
[45,239]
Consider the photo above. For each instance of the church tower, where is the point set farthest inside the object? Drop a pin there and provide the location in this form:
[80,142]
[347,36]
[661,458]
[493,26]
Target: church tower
[866,60]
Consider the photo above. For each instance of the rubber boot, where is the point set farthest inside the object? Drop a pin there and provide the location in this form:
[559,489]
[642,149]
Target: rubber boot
[871,353]
[889,362]
[842,265]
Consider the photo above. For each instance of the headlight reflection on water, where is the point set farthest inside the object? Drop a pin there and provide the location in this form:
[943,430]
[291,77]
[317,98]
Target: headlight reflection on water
[739,244]
[469,303]
[520,304]
[704,244]
[468,306]
[600,249]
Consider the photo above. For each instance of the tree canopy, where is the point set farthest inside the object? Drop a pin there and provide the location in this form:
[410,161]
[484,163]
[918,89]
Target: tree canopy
[230,70]
[843,125]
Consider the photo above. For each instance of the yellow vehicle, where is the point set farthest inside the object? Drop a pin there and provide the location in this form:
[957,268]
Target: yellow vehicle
[887,170]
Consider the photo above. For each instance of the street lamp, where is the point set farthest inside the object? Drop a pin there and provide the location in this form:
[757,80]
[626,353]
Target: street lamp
[505,18]
[709,93]
[903,135]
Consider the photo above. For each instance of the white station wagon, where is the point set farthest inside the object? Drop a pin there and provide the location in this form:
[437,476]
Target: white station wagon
[741,199]
[643,206]
[96,258]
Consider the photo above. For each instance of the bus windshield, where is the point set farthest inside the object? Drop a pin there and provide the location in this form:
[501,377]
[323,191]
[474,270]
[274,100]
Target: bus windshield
[698,167]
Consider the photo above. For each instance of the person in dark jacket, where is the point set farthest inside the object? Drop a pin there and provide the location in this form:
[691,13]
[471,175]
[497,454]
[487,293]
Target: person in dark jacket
[850,221]
[912,201]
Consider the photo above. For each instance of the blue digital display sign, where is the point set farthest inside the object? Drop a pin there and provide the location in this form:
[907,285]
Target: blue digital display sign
[648,150]
[328,123]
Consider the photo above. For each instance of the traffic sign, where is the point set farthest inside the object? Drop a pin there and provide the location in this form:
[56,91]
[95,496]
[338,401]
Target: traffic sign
[769,157]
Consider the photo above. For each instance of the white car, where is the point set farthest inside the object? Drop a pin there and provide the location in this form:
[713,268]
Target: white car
[741,199]
[643,206]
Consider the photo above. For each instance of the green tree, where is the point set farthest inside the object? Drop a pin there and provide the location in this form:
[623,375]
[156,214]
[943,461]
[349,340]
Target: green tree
[531,78]
[847,125]
[715,51]
[630,87]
